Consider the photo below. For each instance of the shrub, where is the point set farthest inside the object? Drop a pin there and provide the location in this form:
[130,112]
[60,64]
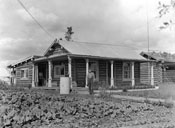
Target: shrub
[125,90]
[103,87]
[169,103]
[104,94]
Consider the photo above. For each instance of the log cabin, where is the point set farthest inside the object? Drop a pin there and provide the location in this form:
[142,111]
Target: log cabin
[113,65]
[164,66]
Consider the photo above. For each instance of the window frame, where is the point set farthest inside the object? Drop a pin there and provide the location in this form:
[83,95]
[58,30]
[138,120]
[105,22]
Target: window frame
[123,75]
[58,66]
[26,73]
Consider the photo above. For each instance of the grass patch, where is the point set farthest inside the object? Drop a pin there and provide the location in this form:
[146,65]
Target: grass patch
[165,91]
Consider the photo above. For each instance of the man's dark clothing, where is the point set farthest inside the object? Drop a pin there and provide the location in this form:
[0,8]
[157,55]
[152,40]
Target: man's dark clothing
[91,78]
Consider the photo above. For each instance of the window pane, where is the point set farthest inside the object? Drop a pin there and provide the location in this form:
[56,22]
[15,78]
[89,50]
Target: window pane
[59,70]
[22,73]
[27,73]
[126,71]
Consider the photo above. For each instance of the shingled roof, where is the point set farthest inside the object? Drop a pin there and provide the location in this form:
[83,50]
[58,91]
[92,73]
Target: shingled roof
[98,50]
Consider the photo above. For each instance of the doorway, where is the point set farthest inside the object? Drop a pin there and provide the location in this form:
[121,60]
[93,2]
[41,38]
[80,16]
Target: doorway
[42,74]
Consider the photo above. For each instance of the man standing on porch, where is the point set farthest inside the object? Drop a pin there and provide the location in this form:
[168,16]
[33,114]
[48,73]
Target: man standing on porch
[91,78]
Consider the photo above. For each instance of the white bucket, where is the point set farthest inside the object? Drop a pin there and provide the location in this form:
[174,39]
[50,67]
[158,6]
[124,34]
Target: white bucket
[64,85]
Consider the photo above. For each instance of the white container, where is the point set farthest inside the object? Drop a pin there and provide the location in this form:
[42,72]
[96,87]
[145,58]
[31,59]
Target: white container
[64,85]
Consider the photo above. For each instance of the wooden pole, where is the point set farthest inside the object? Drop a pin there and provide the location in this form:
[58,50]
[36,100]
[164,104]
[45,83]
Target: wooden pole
[33,75]
[87,70]
[152,74]
[70,70]
[132,73]
[112,73]
[50,73]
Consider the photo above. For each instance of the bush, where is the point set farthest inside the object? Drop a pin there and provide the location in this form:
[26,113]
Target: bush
[125,90]
[104,94]
[103,87]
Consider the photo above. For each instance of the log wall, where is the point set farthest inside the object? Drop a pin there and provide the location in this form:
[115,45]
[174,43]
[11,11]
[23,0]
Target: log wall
[118,74]
[103,71]
[80,72]
[141,71]
[145,73]
[24,82]
[168,76]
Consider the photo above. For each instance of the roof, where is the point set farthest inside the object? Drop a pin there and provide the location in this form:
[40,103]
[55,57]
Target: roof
[158,57]
[152,56]
[100,50]
[97,50]
[30,58]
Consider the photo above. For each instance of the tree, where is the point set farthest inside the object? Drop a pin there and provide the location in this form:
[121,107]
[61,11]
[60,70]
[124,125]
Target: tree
[68,34]
[165,9]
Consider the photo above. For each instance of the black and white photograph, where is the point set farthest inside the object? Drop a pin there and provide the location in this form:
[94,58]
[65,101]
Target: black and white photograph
[87,63]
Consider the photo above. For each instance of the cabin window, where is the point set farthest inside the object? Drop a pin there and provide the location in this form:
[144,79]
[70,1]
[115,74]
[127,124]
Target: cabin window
[59,70]
[126,71]
[24,73]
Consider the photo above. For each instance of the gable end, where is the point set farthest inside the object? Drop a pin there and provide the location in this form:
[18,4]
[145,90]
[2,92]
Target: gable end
[56,48]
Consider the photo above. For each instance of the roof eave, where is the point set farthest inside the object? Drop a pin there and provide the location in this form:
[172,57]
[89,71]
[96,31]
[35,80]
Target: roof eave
[109,58]
[30,58]
[50,57]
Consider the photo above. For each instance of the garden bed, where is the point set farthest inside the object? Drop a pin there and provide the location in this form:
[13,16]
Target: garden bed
[34,108]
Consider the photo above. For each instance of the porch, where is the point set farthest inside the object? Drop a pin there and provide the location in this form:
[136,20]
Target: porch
[111,72]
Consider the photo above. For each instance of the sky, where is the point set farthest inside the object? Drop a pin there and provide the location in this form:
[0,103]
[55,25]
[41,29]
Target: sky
[121,22]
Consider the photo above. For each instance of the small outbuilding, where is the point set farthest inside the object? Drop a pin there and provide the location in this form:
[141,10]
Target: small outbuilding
[164,66]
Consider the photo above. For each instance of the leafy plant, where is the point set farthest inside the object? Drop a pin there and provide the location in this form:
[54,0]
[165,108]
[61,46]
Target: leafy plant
[34,108]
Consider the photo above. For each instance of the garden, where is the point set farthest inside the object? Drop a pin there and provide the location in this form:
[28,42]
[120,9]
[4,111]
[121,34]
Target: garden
[32,108]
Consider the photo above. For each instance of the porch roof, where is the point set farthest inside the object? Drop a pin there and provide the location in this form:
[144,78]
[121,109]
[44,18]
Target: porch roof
[22,61]
[55,56]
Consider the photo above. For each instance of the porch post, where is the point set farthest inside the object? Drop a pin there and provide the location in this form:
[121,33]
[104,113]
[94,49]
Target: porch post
[13,77]
[132,74]
[152,73]
[112,73]
[87,70]
[50,73]
[70,70]
[107,82]
[33,75]
[36,75]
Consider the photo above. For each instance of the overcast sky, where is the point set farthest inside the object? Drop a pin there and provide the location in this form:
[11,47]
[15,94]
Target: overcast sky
[104,21]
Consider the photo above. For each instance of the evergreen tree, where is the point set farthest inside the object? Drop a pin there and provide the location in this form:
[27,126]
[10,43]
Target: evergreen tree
[68,34]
